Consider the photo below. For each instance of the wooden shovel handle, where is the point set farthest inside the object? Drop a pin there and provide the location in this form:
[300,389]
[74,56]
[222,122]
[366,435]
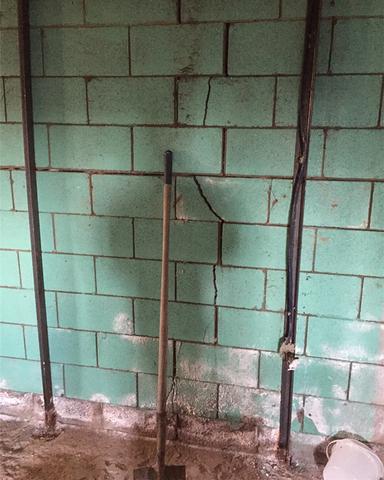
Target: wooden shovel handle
[163,328]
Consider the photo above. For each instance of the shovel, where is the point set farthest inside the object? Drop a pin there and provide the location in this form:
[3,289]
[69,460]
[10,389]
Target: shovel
[163,472]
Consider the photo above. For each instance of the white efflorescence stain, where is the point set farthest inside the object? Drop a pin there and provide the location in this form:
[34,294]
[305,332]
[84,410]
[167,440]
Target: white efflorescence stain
[3,383]
[100,397]
[129,400]
[59,392]
[122,323]
[294,364]
[338,392]
[318,415]
[180,213]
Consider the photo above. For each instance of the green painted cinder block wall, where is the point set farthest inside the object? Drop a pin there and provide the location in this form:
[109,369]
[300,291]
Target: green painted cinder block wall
[115,84]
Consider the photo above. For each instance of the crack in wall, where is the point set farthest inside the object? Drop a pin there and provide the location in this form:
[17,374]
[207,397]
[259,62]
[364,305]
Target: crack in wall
[207,101]
[173,390]
[207,202]
[215,285]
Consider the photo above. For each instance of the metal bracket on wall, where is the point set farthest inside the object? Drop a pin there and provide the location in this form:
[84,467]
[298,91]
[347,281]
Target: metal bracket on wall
[33,211]
[296,215]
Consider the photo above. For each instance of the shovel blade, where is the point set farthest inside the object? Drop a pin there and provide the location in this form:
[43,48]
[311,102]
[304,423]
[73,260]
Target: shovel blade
[175,472]
[145,473]
[172,472]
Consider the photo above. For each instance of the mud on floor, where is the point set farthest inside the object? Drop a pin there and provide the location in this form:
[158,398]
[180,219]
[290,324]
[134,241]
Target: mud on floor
[82,454]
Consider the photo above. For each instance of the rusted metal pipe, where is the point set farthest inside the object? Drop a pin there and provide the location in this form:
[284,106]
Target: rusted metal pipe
[296,215]
[33,210]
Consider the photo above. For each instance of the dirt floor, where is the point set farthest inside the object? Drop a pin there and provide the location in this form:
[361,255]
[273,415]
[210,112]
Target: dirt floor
[81,454]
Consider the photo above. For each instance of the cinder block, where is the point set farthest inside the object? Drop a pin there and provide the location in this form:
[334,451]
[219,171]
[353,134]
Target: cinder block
[147,388]
[293,8]
[189,242]
[250,329]
[340,251]
[377,219]
[354,154]
[351,8]
[240,287]
[124,352]
[14,227]
[66,346]
[99,385]
[25,376]
[130,11]
[128,196]
[9,60]
[345,340]
[77,412]
[341,101]
[41,146]
[381,120]
[281,193]
[342,294]
[177,49]
[12,341]
[186,321]
[132,278]
[275,290]
[260,152]
[59,192]
[18,306]
[9,45]
[56,12]
[327,416]
[95,312]
[343,8]
[367,384]
[275,301]
[219,434]
[225,101]
[372,307]
[336,204]
[217,364]
[8,13]
[232,199]
[12,100]
[98,148]
[2,104]
[238,402]
[325,203]
[196,398]
[6,202]
[70,273]
[331,376]
[11,145]
[254,246]
[195,283]
[81,52]
[228,11]
[9,270]
[131,101]
[59,100]
[266,48]
[94,235]
[356,45]
[195,150]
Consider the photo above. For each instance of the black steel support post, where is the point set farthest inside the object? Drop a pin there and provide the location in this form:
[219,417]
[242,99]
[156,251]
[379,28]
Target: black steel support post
[296,214]
[33,209]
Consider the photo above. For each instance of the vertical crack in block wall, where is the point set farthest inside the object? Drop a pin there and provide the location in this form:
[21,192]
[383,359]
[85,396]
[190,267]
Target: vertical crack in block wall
[216,82]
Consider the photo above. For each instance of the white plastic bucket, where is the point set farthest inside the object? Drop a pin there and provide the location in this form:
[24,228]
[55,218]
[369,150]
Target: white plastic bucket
[352,460]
